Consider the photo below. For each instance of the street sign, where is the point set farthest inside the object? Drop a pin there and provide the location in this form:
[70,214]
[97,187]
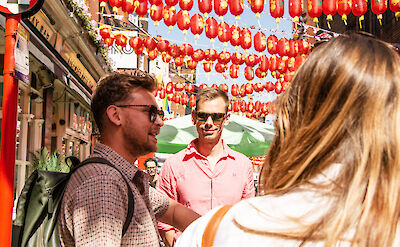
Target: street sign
[25,8]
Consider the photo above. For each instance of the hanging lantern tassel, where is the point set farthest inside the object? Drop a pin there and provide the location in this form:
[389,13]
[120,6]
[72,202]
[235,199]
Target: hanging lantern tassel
[328,19]
[259,23]
[156,23]
[344,18]
[397,15]
[296,19]
[380,19]
[315,20]
[236,48]
[205,15]
[170,29]
[360,19]
[278,20]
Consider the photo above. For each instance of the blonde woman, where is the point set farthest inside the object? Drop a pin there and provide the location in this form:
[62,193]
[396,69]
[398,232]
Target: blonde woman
[332,174]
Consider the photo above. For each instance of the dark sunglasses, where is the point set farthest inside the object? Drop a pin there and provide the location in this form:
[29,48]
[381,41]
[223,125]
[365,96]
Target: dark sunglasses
[216,117]
[152,109]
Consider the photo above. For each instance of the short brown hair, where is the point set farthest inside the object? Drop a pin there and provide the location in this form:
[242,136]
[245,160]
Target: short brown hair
[211,93]
[116,87]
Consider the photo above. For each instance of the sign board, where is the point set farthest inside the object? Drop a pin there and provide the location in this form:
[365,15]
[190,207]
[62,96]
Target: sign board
[22,56]
[125,58]
[25,8]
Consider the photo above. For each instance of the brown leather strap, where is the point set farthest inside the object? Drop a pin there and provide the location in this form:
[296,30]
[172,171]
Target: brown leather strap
[212,226]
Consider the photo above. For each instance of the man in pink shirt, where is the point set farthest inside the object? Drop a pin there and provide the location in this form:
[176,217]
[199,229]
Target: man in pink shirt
[207,173]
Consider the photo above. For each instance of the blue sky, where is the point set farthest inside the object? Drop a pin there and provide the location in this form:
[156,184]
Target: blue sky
[247,19]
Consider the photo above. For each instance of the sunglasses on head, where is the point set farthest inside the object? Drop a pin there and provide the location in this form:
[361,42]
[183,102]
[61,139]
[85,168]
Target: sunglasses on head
[216,117]
[152,109]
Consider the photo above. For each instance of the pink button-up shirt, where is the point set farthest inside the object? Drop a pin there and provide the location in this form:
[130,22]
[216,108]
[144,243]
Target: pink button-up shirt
[187,178]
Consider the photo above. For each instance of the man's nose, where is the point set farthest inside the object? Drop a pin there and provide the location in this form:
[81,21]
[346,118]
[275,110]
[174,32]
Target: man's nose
[159,121]
[209,121]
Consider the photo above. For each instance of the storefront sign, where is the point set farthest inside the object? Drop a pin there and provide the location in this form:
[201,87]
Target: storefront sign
[22,55]
[42,24]
[125,58]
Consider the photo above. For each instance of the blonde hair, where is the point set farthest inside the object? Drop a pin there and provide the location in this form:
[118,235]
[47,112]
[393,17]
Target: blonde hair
[342,107]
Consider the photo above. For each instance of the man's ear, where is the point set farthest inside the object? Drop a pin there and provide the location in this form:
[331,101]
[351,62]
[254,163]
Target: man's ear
[226,122]
[112,113]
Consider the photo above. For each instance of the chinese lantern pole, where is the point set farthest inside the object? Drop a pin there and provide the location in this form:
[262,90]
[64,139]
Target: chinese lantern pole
[8,131]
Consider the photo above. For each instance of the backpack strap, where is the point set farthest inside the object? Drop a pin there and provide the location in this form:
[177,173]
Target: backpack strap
[212,227]
[100,160]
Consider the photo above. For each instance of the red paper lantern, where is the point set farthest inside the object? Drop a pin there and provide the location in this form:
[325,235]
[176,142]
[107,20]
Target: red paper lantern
[171,2]
[224,57]
[258,87]
[249,73]
[237,58]
[245,39]
[273,63]
[198,55]
[278,87]
[192,101]
[155,2]
[184,99]
[257,106]
[115,4]
[105,32]
[186,4]
[269,86]
[329,7]
[242,90]
[183,20]
[235,90]
[121,40]
[299,61]
[264,63]
[293,48]
[252,60]
[156,13]
[205,7]
[110,41]
[249,88]
[291,64]
[189,88]
[260,42]
[207,66]
[260,74]
[135,42]
[214,85]
[203,86]
[250,107]
[282,65]
[160,86]
[174,50]
[169,88]
[191,64]
[295,9]
[161,94]
[314,8]
[186,50]
[169,15]
[163,45]
[257,6]
[179,62]
[236,8]
[166,57]
[359,8]
[211,27]
[243,106]
[224,87]
[395,7]
[234,71]
[150,43]
[378,8]
[220,8]
[141,10]
[196,25]
[272,44]
[344,9]
[177,97]
[221,68]
[276,8]
[283,47]
[288,76]
[304,46]
[170,97]
[224,32]
[153,54]
[179,86]
[235,106]
[210,55]
[235,36]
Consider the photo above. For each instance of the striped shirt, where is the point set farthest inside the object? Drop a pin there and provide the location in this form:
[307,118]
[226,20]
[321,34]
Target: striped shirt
[95,205]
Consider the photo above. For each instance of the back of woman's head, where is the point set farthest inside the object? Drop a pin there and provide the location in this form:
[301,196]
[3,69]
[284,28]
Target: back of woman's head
[343,107]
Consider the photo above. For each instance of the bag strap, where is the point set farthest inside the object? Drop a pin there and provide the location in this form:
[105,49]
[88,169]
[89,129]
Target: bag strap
[211,229]
[131,205]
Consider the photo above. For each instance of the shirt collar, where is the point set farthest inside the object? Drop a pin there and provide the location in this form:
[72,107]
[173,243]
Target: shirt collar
[192,149]
[116,159]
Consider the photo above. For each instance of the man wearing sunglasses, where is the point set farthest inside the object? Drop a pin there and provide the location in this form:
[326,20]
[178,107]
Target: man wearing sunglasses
[207,173]
[95,204]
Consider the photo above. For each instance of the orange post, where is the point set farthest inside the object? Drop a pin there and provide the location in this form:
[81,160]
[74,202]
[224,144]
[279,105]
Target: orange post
[8,131]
